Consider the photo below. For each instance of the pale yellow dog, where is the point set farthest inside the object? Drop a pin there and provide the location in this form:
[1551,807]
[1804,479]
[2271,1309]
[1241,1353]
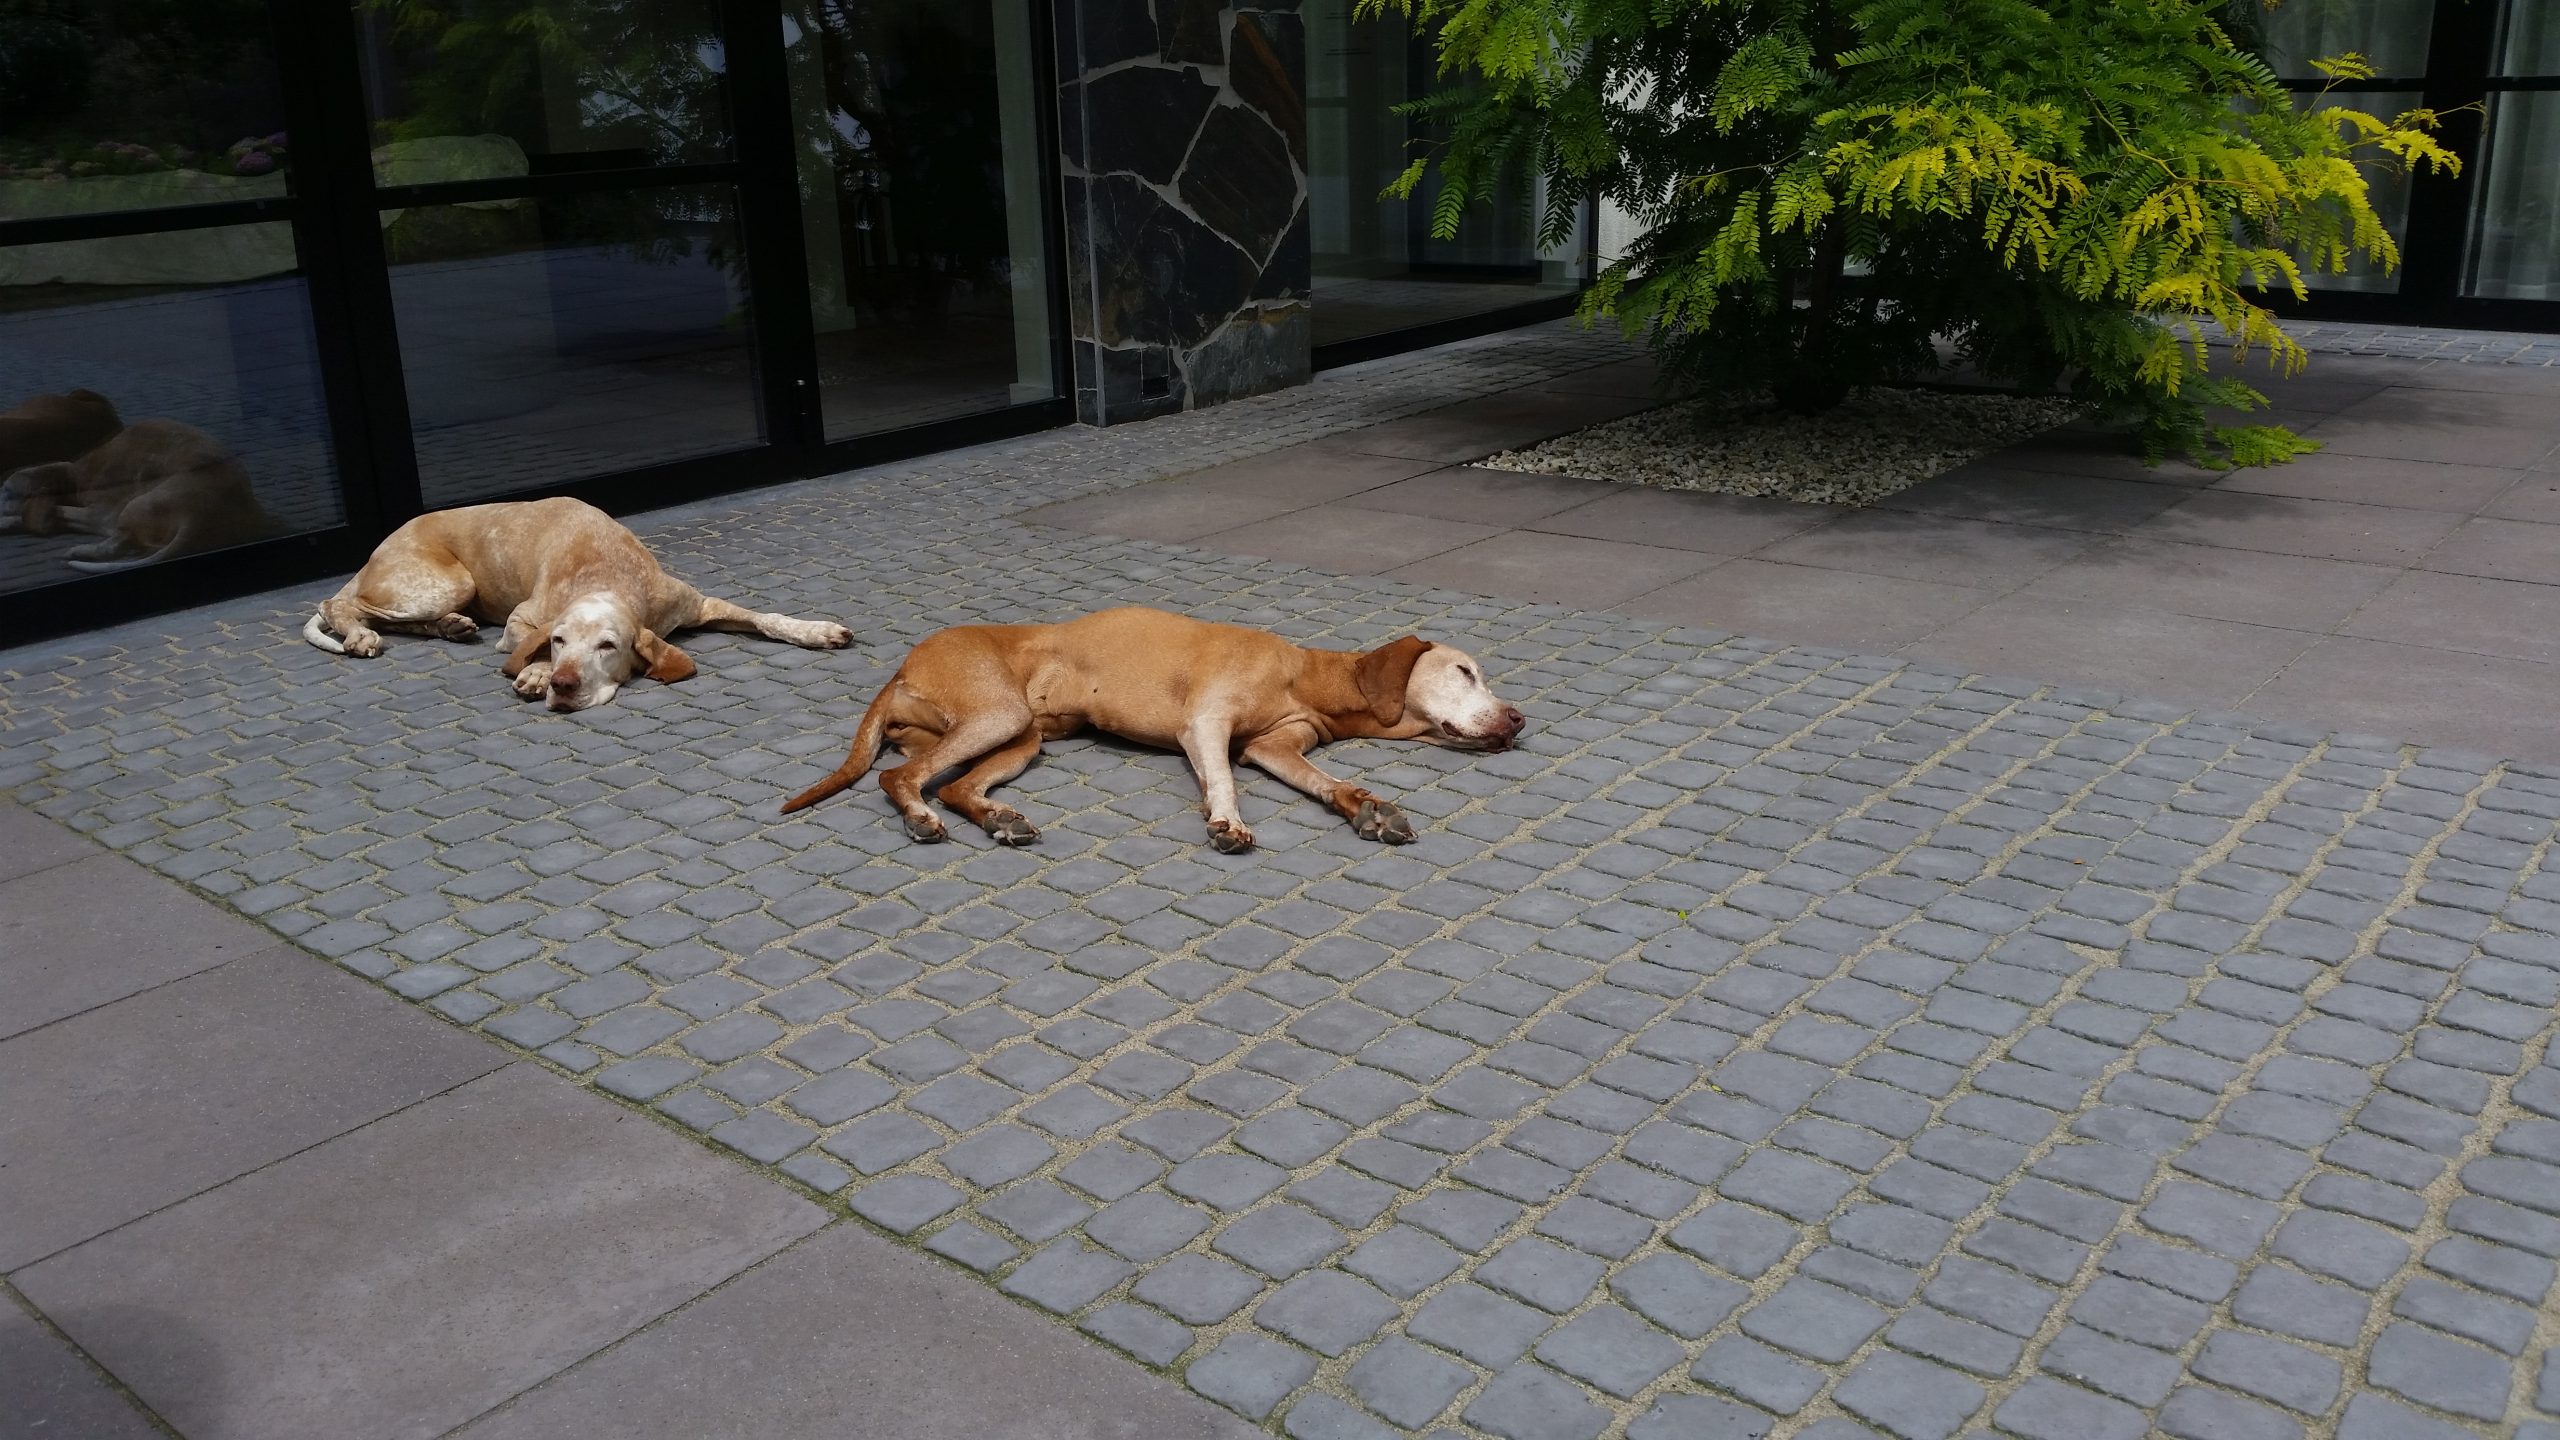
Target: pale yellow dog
[585,604]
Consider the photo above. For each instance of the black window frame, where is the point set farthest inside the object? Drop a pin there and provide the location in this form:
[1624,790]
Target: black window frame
[2435,253]
[332,203]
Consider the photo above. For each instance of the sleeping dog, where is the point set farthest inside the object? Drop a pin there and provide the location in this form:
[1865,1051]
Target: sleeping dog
[984,697]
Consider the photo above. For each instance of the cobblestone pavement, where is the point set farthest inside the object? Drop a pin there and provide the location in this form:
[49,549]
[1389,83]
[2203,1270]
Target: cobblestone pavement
[2414,342]
[1780,1042]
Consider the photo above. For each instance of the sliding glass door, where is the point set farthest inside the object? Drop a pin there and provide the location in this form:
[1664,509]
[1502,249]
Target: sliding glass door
[1378,269]
[558,190]
[155,317]
[916,127]
[2515,227]
[333,262]
[2478,248]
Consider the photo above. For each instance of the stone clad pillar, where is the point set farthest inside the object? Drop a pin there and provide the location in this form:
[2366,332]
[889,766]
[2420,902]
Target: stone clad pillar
[1184,135]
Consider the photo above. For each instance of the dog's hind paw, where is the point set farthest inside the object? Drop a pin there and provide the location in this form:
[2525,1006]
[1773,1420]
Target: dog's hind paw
[1383,823]
[1229,838]
[826,635]
[923,829]
[458,626]
[1009,828]
[361,642]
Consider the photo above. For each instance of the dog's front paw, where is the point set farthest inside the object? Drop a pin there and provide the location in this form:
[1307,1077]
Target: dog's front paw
[1229,838]
[826,635]
[923,829]
[1009,828]
[1377,820]
[533,681]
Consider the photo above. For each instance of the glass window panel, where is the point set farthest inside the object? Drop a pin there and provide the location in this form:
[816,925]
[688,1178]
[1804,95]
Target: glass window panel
[2389,184]
[159,397]
[1377,266]
[2529,44]
[920,180]
[546,340]
[2392,34]
[137,104]
[475,89]
[2515,246]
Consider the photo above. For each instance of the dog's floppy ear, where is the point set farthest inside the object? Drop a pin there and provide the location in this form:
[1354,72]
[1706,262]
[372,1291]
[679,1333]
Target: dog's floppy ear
[1382,674]
[666,663]
[535,645]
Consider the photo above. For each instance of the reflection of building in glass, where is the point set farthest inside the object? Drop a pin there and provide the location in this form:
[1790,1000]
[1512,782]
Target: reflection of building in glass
[413,254]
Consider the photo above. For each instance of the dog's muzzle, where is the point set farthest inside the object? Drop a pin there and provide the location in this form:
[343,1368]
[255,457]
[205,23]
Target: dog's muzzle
[1497,739]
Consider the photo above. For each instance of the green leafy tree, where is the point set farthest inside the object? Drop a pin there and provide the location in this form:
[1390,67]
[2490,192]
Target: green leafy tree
[46,56]
[2067,190]
[642,75]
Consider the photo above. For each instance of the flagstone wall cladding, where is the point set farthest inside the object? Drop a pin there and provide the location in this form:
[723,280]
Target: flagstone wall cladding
[1183,132]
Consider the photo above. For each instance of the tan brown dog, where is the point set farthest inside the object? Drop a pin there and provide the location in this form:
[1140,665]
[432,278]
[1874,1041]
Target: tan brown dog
[155,490]
[47,430]
[585,604]
[985,696]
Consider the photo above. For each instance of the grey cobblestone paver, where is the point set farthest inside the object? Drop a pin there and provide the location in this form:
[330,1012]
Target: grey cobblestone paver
[1780,1042]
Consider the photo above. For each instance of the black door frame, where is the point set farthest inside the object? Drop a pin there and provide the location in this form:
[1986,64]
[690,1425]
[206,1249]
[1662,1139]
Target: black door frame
[332,205]
[2434,254]
[1419,78]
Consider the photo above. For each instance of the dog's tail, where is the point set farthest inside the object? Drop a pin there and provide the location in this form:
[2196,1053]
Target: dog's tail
[866,748]
[178,545]
[317,635]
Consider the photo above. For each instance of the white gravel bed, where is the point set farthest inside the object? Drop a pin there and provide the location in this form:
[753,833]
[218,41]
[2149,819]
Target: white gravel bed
[1869,446]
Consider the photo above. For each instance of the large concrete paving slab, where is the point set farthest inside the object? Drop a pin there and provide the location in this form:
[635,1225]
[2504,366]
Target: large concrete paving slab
[47,1392]
[117,1112]
[848,1334]
[401,1279]
[94,930]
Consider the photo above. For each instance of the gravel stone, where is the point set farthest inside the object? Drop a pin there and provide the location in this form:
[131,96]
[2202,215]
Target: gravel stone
[1870,446]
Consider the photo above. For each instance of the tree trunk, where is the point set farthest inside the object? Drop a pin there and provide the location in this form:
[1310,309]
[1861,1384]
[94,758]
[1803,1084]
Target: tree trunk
[1814,383]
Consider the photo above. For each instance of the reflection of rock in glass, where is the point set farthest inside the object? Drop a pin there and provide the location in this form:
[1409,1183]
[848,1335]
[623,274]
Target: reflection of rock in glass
[157,490]
[47,428]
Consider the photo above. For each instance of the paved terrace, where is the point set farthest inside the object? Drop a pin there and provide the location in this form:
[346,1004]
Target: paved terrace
[1783,1042]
